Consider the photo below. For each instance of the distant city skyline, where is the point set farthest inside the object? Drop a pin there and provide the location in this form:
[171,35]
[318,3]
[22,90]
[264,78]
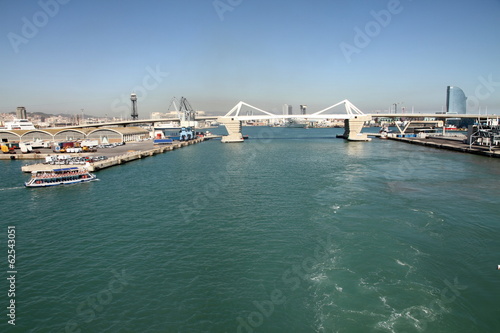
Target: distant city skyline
[61,56]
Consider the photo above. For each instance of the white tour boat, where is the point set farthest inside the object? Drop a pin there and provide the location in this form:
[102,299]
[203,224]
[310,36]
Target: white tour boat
[63,176]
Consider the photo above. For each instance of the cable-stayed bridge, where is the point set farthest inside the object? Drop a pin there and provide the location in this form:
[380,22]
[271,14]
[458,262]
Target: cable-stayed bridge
[350,111]
[354,119]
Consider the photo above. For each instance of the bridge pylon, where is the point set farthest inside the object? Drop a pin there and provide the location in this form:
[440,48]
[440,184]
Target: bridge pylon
[233,124]
[354,126]
[233,127]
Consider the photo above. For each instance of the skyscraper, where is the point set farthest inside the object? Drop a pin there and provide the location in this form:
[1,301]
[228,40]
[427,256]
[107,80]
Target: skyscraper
[303,109]
[21,112]
[456,101]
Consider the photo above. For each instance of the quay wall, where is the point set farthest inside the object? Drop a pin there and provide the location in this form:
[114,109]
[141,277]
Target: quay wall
[449,144]
[29,156]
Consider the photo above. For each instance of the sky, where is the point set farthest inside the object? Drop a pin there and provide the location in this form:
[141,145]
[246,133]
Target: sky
[62,56]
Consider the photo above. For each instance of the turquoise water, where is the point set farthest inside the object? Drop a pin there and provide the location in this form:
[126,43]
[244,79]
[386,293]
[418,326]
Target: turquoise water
[291,231]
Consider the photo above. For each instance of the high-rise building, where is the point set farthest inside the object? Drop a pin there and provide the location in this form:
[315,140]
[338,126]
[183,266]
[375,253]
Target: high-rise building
[290,111]
[21,112]
[303,109]
[456,101]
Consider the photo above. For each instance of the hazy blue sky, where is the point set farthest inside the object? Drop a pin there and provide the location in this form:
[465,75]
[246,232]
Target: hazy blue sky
[64,56]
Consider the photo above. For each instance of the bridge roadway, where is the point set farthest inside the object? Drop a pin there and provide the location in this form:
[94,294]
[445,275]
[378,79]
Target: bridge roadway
[134,122]
[350,116]
[354,119]
[296,116]
[431,115]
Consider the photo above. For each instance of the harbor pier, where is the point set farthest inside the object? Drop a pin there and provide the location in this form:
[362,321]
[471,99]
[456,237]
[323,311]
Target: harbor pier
[448,143]
[115,156]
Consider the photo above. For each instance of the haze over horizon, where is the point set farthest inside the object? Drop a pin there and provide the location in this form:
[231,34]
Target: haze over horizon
[61,56]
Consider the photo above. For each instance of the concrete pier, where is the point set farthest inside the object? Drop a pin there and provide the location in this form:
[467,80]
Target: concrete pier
[353,128]
[449,144]
[114,158]
[233,128]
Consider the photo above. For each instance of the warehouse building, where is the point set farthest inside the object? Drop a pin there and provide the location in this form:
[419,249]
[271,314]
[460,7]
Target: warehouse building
[104,135]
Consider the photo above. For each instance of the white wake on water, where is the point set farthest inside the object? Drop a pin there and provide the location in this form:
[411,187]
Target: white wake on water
[11,188]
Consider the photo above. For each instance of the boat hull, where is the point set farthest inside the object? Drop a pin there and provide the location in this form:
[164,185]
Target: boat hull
[56,177]
[56,183]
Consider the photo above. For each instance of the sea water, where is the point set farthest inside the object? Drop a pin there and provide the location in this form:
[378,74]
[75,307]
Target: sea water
[290,231]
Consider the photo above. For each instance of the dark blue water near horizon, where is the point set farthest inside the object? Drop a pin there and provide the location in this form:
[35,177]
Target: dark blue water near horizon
[291,231]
